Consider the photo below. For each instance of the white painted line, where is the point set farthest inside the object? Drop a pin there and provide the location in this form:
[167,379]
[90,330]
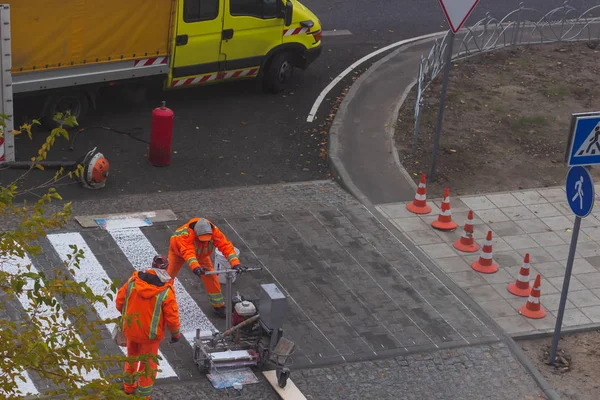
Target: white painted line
[335,32]
[140,252]
[25,389]
[399,306]
[414,288]
[91,271]
[324,92]
[427,269]
[43,314]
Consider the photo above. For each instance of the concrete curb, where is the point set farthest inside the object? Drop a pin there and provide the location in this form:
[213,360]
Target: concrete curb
[343,178]
[563,332]
[502,335]
[392,133]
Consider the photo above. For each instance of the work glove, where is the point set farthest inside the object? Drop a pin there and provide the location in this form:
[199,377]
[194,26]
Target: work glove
[175,339]
[238,267]
[199,271]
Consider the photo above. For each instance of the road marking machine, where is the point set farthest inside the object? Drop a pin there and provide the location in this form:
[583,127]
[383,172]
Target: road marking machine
[253,334]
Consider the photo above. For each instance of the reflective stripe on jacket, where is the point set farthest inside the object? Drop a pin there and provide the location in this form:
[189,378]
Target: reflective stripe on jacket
[185,245]
[147,305]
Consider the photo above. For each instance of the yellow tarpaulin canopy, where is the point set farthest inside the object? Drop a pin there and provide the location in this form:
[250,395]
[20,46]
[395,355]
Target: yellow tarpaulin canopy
[54,33]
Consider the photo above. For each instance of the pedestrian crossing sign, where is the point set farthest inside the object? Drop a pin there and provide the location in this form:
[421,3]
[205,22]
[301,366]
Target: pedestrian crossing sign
[583,147]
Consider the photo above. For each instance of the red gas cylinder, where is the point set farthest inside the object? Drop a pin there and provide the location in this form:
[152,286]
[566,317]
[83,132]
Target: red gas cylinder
[161,136]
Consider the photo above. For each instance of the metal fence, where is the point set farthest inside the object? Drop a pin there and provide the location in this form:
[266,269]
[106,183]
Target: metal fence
[523,26]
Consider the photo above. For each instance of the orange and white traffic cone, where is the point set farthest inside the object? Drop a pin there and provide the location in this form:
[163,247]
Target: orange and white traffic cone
[444,221]
[485,264]
[521,286]
[419,204]
[533,308]
[466,242]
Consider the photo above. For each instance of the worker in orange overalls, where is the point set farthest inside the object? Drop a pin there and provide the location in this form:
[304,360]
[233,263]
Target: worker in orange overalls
[147,303]
[194,243]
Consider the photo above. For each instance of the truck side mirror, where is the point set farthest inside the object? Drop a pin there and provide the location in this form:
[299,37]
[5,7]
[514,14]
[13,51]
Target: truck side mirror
[288,13]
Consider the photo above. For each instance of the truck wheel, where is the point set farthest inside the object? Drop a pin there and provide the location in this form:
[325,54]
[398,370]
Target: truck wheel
[279,73]
[76,102]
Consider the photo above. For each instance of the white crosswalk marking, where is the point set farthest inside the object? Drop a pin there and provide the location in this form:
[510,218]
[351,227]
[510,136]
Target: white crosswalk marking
[12,266]
[139,251]
[91,271]
[25,388]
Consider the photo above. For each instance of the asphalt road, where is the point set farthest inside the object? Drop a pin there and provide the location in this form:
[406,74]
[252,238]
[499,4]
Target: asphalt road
[233,134]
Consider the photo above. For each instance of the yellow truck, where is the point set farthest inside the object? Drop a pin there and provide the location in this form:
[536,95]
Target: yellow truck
[67,50]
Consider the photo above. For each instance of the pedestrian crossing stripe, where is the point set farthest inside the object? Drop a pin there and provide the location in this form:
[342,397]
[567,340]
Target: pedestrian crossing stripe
[43,312]
[591,145]
[139,251]
[92,272]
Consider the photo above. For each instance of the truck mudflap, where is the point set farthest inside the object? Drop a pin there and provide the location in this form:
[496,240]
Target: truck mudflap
[310,55]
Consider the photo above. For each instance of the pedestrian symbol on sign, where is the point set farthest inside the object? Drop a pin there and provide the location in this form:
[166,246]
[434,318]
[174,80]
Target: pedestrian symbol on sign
[591,146]
[579,190]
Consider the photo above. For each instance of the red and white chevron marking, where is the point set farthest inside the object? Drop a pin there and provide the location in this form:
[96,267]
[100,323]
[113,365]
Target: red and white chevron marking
[214,77]
[1,148]
[295,31]
[149,62]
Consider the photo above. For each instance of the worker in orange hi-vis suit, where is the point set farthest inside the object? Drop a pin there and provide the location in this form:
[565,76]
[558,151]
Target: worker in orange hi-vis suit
[194,243]
[147,303]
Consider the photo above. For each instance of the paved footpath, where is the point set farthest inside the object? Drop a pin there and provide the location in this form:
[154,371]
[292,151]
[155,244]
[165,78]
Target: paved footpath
[538,222]
[358,293]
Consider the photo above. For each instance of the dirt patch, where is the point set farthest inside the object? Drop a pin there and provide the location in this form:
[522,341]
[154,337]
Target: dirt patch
[581,380]
[507,118]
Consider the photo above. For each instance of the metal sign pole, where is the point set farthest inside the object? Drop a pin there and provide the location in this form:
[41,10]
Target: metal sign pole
[565,289]
[438,129]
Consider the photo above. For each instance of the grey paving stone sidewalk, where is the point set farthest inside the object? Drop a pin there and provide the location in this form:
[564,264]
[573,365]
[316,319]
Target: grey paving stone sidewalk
[472,373]
[538,222]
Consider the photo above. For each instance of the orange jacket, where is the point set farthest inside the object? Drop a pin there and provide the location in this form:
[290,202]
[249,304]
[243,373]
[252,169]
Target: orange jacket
[185,244]
[151,304]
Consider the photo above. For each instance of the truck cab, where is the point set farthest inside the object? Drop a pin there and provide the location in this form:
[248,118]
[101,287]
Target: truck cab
[218,40]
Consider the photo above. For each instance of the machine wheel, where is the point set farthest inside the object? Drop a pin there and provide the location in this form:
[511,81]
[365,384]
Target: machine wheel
[75,102]
[283,377]
[279,74]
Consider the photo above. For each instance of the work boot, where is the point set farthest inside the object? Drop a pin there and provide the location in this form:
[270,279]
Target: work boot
[220,311]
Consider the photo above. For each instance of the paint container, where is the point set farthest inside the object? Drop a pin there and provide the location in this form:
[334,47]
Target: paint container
[221,264]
